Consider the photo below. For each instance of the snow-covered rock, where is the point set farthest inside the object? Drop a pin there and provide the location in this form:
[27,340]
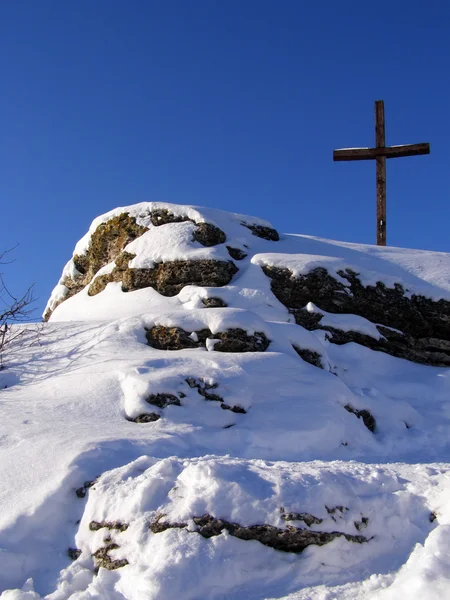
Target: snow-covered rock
[215,410]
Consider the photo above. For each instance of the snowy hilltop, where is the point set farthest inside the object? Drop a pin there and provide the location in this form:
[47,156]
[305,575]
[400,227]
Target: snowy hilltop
[216,410]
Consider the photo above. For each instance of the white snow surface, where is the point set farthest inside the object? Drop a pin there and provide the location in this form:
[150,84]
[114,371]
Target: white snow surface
[67,391]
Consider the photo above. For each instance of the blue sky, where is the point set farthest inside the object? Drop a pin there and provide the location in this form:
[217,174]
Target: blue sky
[232,104]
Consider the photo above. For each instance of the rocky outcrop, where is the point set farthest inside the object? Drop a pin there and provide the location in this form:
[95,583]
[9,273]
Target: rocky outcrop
[290,539]
[231,340]
[107,244]
[167,278]
[413,326]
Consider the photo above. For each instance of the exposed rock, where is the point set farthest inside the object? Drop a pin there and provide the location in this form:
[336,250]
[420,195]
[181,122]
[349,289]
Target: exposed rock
[365,415]
[310,356]
[235,409]
[103,560]
[81,491]
[208,235]
[158,526]
[161,216]
[237,340]
[204,388]
[107,242]
[231,340]
[291,539]
[167,278]
[116,275]
[307,319]
[163,400]
[214,303]
[305,517]
[423,325]
[236,253]
[334,509]
[73,553]
[205,233]
[361,524]
[170,278]
[145,418]
[117,525]
[266,233]
[169,338]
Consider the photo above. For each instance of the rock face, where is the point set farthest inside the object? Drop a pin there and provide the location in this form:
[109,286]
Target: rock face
[167,278]
[412,326]
[107,243]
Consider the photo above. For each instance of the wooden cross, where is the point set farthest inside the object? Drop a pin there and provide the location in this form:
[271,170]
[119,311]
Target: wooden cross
[380,153]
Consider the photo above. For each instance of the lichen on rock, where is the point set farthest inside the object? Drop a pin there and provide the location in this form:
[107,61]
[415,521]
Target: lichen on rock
[167,278]
[106,244]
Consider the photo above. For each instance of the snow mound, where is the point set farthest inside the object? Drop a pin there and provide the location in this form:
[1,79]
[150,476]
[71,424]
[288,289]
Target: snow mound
[215,410]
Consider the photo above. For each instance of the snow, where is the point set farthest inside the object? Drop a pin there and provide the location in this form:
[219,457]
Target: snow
[345,322]
[72,388]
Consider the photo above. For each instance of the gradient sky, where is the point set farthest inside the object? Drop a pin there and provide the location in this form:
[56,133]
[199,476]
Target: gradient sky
[231,104]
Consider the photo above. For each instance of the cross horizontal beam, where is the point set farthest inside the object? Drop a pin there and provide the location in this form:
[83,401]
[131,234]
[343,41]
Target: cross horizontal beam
[388,152]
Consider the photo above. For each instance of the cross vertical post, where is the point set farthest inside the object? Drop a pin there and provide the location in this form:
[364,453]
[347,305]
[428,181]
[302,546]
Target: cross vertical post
[380,142]
[381,152]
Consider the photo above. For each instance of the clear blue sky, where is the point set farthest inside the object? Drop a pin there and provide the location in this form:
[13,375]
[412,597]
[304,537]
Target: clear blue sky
[232,104]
